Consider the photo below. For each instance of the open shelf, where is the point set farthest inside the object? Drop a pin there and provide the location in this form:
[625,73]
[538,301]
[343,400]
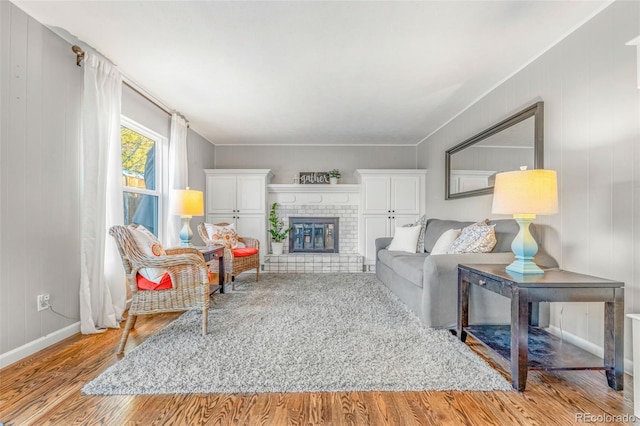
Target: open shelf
[546,351]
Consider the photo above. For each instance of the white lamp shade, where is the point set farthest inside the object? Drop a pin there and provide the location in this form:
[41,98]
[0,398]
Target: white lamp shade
[526,192]
[187,202]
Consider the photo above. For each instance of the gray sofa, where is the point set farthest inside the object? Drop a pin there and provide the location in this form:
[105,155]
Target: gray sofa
[428,285]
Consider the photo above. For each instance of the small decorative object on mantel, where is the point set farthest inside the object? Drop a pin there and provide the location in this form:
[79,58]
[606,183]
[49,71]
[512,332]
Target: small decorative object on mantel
[334,175]
[277,231]
[314,178]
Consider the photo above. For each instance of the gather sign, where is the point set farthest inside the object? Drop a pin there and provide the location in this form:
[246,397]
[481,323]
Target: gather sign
[307,178]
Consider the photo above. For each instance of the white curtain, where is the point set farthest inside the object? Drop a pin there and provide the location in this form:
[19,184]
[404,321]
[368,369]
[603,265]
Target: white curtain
[178,175]
[102,282]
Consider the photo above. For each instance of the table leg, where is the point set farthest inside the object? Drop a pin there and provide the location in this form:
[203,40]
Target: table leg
[463,307]
[534,314]
[519,338]
[221,273]
[613,340]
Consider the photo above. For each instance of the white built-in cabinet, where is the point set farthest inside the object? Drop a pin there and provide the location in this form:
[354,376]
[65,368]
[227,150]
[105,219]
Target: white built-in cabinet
[389,198]
[239,196]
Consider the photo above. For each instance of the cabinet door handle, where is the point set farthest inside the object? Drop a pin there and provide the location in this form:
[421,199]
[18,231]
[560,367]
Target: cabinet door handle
[393,217]
[482,282]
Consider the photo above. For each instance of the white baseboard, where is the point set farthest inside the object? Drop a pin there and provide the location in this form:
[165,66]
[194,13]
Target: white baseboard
[34,346]
[587,346]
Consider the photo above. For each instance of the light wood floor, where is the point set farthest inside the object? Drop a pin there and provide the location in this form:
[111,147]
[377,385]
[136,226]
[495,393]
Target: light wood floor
[45,389]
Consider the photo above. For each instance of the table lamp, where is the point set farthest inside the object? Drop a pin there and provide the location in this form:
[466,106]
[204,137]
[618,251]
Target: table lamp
[186,203]
[524,194]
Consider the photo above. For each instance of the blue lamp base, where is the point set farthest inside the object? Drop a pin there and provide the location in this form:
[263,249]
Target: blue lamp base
[524,247]
[185,233]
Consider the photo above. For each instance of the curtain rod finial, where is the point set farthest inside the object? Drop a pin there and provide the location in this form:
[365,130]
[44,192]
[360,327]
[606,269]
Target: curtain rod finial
[79,54]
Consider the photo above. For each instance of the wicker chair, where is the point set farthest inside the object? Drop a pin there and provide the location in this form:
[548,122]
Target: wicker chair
[189,277]
[233,266]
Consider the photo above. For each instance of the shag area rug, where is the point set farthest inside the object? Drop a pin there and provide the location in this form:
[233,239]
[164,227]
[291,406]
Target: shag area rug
[299,333]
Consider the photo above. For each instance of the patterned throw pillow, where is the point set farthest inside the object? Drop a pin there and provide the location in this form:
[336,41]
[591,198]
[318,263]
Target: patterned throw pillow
[147,242]
[157,278]
[422,223]
[476,238]
[223,235]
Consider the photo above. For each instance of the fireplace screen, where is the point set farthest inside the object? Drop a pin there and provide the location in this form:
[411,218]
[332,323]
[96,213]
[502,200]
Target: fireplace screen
[313,235]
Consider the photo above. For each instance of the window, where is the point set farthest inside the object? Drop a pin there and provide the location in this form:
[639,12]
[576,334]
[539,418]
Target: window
[142,156]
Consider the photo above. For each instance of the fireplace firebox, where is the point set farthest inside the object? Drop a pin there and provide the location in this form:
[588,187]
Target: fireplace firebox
[313,235]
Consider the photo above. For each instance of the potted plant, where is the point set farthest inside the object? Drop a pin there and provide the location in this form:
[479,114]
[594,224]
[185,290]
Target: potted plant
[277,231]
[334,175]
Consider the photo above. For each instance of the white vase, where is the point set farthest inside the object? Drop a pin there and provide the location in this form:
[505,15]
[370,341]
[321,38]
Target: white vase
[276,248]
[333,180]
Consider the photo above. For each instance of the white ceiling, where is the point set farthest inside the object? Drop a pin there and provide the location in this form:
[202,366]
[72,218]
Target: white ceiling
[321,72]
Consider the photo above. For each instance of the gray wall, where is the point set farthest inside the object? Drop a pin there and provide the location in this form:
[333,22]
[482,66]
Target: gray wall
[39,158]
[592,130]
[41,89]
[287,161]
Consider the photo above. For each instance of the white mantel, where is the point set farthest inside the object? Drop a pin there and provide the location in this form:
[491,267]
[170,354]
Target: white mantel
[295,194]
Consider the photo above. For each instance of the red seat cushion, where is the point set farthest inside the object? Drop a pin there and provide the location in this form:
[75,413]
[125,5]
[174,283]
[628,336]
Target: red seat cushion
[244,251]
[145,284]
[165,282]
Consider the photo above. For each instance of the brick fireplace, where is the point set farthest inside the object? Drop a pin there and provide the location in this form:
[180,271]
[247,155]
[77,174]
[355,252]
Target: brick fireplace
[317,206]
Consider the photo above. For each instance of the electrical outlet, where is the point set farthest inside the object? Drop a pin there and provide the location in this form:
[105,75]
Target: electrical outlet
[43,301]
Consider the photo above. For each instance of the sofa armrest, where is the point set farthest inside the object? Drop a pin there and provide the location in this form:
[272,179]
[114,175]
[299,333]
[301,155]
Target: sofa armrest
[440,284]
[382,243]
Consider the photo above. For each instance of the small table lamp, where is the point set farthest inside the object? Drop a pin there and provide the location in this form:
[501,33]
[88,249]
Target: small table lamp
[524,194]
[186,203]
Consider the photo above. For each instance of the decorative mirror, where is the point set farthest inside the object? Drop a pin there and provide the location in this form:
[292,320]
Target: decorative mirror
[517,141]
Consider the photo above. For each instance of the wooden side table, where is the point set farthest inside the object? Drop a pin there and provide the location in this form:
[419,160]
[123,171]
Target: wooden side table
[530,348]
[212,254]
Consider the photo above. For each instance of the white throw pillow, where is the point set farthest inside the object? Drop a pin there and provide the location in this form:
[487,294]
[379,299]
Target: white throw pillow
[405,239]
[422,222]
[445,241]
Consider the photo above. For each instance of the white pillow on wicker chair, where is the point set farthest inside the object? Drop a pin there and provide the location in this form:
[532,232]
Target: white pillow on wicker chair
[149,245]
[223,235]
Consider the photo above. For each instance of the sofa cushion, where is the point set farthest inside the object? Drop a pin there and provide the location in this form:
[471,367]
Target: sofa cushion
[386,257]
[410,267]
[437,227]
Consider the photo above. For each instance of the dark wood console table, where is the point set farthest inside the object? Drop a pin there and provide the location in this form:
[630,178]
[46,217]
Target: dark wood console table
[548,352]
[211,254]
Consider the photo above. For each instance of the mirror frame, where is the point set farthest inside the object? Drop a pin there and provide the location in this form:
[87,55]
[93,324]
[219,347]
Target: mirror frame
[536,110]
